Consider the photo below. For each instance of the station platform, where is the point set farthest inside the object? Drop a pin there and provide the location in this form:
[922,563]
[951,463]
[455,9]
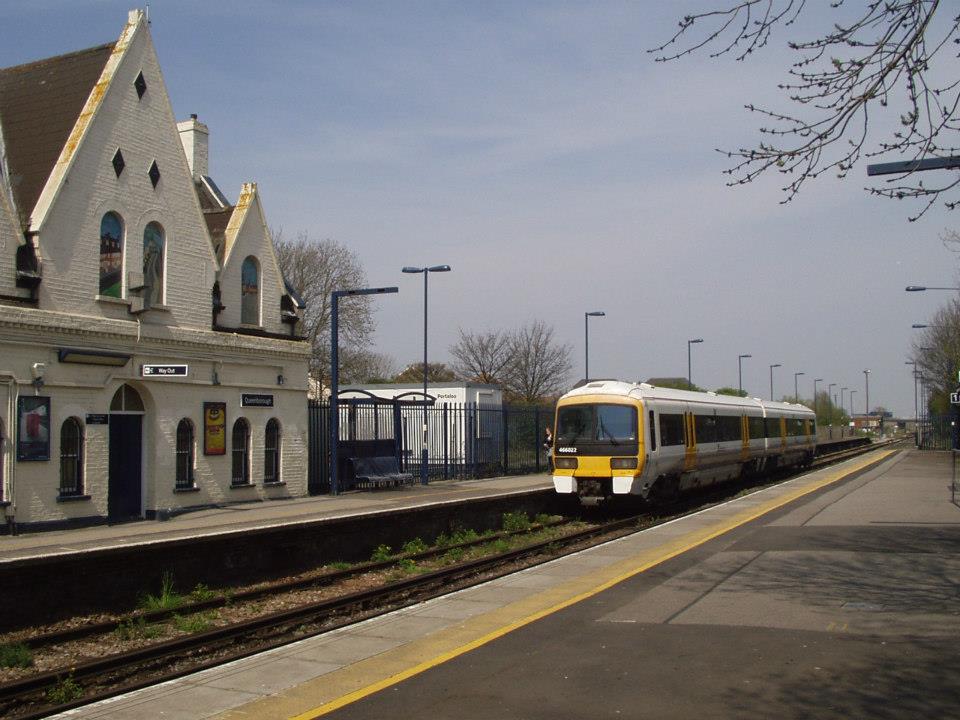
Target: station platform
[249,517]
[831,595]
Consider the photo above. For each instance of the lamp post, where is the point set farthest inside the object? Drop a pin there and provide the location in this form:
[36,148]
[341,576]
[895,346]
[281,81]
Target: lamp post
[866,400]
[916,431]
[335,375]
[796,393]
[689,376]
[426,272]
[852,393]
[740,369]
[921,288]
[842,391]
[771,379]
[815,381]
[586,340]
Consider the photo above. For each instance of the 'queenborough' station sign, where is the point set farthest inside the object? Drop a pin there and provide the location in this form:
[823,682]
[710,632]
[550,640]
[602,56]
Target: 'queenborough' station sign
[255,400]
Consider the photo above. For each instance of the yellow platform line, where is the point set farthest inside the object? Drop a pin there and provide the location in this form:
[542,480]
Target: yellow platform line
[340,688]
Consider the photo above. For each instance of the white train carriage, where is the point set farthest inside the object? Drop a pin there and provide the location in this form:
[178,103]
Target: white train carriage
[615,438]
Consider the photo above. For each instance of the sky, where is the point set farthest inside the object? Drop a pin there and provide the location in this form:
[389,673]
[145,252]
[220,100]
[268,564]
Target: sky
[537,149]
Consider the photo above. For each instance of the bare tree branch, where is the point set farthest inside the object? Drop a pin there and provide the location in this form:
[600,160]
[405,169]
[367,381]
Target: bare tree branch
[482,356]
[885,54]
[540,367]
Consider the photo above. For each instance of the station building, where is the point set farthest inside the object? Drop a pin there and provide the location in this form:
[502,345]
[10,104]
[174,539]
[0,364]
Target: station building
[150,350]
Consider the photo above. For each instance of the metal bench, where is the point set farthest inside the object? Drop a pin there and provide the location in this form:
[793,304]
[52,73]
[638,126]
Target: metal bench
[373,473]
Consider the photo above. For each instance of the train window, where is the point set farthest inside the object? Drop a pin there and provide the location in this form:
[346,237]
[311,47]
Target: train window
[705,427]
[728,428]
[612,423]
[653,432]
[756,428]
[671,429]
[812,427]
[773,427]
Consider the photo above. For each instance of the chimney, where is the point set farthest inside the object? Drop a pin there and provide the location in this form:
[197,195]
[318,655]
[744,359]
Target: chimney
[195,138]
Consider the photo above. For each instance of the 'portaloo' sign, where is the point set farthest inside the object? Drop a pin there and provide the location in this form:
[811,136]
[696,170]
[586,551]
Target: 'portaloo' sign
[163,370]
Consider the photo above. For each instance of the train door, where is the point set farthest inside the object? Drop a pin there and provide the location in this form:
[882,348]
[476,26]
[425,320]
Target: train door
[652,462]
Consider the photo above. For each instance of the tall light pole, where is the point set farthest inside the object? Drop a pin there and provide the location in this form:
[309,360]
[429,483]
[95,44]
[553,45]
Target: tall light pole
[426,272]
[815,381]
[586,340]
[689,376]
[921,288]
[771,379]
[335,375]
[852,393]
[830,388]
[796,393]
[740,370]
[866,377]
[842,391]
[916,418]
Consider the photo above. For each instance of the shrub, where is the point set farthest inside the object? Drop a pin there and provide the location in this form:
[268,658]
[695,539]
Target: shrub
[381,554]
[516,522]
[414,547]
[18,655]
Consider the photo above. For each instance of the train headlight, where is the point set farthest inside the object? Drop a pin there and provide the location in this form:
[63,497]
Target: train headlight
[565,463]
[623,463]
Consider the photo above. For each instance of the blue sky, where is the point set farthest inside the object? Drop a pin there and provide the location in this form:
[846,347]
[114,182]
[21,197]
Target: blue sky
[537,149]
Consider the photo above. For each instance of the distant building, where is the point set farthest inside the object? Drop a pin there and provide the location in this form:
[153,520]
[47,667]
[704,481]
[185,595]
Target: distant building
[149,349]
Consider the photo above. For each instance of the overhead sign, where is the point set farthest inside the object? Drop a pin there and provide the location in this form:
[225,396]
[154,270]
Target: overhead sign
[255,400]
[163,370]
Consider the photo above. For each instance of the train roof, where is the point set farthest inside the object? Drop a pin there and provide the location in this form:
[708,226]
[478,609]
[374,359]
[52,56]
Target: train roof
[643,391]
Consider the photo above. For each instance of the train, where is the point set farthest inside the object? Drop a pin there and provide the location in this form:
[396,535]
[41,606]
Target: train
[614,438]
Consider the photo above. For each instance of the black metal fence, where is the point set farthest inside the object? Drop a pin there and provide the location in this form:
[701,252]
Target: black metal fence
[463,440]
[935,432]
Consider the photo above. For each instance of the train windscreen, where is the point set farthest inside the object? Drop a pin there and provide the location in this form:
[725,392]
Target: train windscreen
[597,429]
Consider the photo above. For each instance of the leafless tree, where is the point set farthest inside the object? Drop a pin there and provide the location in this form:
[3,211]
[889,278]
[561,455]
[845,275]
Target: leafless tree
[365,366]
[539,366]
[885,55]
[937,349]
[482,356]
[315,269]
[436,372]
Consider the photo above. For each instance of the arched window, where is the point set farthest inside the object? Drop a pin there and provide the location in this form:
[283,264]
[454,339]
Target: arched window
[271,452]
[126,399]
[71,458]
[153,261]
[185,454]
[111,255]
[250,291]
[241,453]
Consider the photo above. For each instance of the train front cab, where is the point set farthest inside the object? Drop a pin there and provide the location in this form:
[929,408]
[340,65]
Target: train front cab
[599,446]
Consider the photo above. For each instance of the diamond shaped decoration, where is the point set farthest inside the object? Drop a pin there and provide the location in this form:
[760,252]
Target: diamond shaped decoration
[118,163]
[140,84]
[154,173]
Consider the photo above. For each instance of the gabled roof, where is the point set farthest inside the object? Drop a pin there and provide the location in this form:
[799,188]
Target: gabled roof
[217,221]
[39,106]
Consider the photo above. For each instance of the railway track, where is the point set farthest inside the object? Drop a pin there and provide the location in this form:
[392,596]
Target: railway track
[48,692]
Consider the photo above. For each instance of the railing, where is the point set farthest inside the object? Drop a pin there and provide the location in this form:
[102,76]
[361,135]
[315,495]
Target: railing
[463,440]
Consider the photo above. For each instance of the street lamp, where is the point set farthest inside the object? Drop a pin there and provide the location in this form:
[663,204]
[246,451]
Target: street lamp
[740,369]
[426,272]
[921,288]
[815,381]
[866,376]
[852,393]
[771,379]
[335,375]
[689,378]
[842,391]
[586,340]
[916,418]
[796,393]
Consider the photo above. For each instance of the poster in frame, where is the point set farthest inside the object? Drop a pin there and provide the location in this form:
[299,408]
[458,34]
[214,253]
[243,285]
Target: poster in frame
[214,428]
[33,428]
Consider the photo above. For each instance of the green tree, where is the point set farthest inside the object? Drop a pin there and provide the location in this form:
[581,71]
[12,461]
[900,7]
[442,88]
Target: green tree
[677,383]
[736,392]
[436,372]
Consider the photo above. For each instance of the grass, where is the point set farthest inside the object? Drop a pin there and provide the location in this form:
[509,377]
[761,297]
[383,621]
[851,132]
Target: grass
[168,599]
[201,593]
[382,553]
[64,691]
[18,656]
[198,622]
[137,629]
[415,546]
[516,521]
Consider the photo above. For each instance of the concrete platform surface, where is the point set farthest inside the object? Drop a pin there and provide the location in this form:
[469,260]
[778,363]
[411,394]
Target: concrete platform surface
[258,515]
[834,594]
